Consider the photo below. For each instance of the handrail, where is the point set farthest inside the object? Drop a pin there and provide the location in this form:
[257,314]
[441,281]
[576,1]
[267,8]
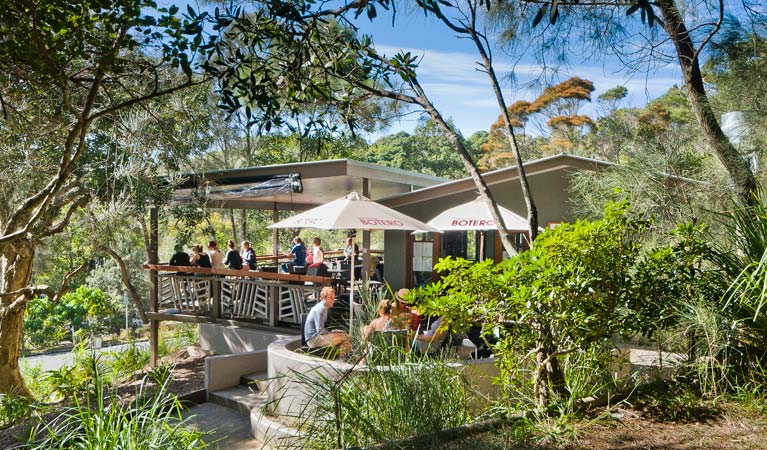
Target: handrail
[240,273]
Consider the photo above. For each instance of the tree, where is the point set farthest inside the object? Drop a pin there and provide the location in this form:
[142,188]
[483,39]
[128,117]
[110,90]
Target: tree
[567,294]
[575,22]
[558,105]
[67,66]
[310,56]
[427,150]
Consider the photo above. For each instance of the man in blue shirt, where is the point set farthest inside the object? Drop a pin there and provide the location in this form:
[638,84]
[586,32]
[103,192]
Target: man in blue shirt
[314,331]
[298,251]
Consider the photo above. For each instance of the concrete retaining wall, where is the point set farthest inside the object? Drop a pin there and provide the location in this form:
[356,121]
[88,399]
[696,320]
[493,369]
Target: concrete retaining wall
[225,340]
[224,371]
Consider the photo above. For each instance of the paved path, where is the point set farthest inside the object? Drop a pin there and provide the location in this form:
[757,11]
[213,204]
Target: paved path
[227,428]
[53,361]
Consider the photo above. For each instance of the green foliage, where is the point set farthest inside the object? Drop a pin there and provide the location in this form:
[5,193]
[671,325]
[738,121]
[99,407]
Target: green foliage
[569,293]
[574,279]
[14,409]
[384,403]
[103,422]
[47,323]
[671,280]
[128,361]
[426,150]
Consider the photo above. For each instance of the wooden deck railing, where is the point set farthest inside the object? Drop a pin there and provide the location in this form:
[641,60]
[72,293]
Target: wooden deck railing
[195,293]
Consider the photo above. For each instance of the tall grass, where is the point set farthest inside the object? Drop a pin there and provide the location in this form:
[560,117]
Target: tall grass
[383,403]
[100,421]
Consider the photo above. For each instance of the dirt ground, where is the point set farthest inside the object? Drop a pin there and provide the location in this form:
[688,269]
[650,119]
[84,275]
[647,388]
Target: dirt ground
[734,428]
[188,375]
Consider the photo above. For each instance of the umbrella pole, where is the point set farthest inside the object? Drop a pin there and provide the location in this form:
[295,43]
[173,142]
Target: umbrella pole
[351,290]
[481,245]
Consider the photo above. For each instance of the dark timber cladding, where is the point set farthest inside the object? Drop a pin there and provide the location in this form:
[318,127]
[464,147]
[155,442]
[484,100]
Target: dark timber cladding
[322,182]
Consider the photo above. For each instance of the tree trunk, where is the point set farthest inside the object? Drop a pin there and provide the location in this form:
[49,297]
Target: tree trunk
[233,224]
[737,167]
[16,265]
[244,224]
[126,279]
[471,167]
[532,210]
[548,376]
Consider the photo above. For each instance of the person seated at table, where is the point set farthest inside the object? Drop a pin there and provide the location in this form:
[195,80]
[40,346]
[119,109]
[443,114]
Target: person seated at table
[381,322]
[431,340]
[318,255]
[232,259]
[314,331]
[248,255]
[298,253]
[216,257]
[199,259]
[348,250]
[180,258]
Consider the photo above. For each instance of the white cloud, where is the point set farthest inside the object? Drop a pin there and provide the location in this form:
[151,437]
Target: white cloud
[460,91]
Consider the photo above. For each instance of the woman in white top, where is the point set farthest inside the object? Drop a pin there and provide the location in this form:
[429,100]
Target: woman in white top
[216,257]
[318,255]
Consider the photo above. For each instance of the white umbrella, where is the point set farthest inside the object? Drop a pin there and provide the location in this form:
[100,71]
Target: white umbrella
[475,216]
[353,212]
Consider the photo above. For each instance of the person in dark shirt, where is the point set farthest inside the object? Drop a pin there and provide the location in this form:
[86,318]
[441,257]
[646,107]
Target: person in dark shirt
[199,258]
[298,252]
[180,258]
[249,255]
[232,260]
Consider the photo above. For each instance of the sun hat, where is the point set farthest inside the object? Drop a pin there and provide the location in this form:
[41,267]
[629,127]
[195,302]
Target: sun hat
[401,295]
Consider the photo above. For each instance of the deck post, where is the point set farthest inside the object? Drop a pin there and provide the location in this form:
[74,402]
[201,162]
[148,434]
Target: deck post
[366,234]
[274,305]
[154,325]
[216,292]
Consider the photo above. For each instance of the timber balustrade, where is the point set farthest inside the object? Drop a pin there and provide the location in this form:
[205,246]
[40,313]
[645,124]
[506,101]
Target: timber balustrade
[197,294]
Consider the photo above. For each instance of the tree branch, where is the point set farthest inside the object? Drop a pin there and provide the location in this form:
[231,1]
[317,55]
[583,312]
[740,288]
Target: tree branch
[126,280]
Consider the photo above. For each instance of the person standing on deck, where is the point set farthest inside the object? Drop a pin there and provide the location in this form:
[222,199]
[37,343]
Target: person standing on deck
[216,257]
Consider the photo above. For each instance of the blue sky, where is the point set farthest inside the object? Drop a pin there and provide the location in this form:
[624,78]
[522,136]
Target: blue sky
[447,72]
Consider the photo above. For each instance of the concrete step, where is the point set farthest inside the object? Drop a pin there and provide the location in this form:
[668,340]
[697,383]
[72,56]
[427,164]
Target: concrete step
[225,428]
[258,381]
[239,398]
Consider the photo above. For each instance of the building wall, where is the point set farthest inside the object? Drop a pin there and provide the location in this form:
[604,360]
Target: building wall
[550,193]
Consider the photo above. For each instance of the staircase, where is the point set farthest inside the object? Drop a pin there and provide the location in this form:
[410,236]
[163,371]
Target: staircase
[248,399]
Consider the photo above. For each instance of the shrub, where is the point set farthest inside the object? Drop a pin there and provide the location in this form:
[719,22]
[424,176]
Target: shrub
[384,403]
[102,422]
[567,294]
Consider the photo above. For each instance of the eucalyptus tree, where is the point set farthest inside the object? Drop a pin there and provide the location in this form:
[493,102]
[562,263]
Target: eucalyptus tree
[313,54]
[670,30]
[67,66]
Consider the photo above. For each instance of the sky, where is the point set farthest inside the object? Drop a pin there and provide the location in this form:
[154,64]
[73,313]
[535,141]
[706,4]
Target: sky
[448,73]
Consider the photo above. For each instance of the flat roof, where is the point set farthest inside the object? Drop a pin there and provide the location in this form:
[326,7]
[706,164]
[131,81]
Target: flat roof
[538,166]
[323,181]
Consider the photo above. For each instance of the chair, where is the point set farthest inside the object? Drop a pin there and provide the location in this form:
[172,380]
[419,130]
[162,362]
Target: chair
[319,271]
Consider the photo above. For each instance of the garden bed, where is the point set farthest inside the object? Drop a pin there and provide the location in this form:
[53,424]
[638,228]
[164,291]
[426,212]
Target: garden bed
[188,379]
[734,427]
